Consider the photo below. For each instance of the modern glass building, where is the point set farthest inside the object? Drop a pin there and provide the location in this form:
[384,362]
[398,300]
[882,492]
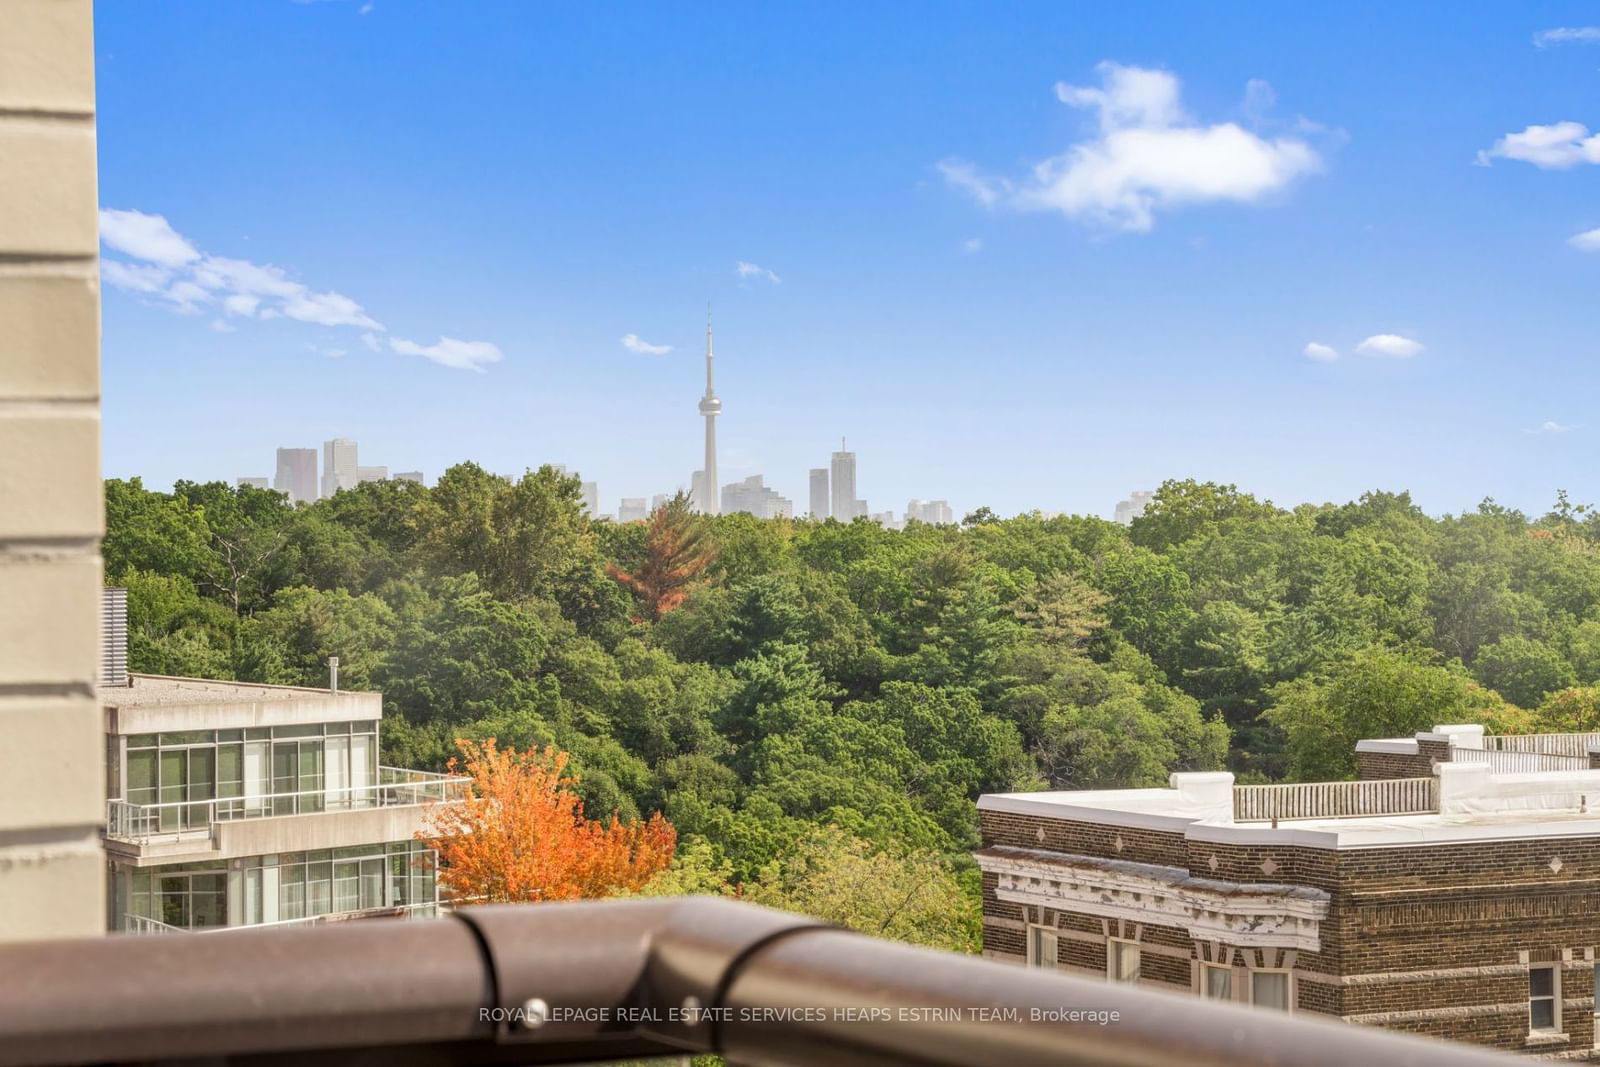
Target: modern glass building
[233,804]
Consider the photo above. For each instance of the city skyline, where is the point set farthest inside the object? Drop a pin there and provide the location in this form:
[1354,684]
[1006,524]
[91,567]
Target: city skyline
[1386,298]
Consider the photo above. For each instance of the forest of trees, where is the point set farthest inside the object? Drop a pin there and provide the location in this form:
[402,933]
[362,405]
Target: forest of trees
[816,705]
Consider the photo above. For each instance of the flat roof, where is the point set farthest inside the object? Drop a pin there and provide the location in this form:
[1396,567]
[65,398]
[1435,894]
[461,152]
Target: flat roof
[1479,806]
[150,689]
[156,703]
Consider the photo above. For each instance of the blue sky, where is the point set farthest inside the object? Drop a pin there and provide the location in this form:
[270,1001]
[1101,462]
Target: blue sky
[1023,256]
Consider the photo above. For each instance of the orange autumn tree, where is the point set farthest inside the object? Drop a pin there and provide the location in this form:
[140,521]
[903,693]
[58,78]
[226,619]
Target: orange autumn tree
[520,835]
[677,550]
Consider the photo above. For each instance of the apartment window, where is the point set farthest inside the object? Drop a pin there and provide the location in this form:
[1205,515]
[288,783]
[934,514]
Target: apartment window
[1042,945]
[1216,981]
[1270,989]
[1597,1006]
[1544,999]
[1122,960]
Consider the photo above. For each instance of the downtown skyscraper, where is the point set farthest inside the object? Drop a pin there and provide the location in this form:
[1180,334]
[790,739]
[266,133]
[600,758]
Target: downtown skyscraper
[297,474]
[843,470]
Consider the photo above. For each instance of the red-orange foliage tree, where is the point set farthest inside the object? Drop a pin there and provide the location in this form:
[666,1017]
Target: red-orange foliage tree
[677,551]
[521,834]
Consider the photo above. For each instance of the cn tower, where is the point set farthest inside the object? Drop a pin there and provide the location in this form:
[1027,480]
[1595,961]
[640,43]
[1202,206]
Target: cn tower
[710,407]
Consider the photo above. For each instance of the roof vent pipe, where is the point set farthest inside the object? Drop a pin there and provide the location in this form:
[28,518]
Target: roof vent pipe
[333,674]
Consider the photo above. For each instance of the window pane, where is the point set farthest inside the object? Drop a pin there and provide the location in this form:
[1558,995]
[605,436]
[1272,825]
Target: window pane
[1541,982]
[142,777]
[1542,1014]
[1270,990]
[230,770]
[1219,983]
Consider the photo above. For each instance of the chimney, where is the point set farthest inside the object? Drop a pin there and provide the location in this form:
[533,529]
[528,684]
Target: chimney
[114,638]
[333,674]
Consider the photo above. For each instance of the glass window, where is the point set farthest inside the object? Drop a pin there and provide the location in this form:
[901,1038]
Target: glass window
[1270,989]
[188,737]
[1216,981]
[346,885]
[142,777]
[141,740]
[1542,1011]
[319,888]
[314,730]
[1043,947]
[230,770]
[1122,961]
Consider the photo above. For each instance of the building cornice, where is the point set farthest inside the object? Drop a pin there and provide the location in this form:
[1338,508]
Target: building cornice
[1245,914]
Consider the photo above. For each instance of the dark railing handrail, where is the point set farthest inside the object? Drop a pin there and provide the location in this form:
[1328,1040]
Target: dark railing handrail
[556,983]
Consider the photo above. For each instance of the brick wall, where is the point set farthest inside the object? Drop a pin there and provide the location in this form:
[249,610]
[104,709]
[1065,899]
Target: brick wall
[52,874]
[1434,940]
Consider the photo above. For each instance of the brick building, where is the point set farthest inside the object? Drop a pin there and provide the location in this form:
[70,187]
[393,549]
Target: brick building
[1462,902]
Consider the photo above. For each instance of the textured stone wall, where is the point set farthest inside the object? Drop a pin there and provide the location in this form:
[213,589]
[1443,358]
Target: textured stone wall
[52,872]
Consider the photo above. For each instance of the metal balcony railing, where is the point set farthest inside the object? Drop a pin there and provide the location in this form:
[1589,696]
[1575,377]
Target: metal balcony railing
[1512,761]
[144,924]
[1335,800]
[142,824]
[1575,745]
[565,983]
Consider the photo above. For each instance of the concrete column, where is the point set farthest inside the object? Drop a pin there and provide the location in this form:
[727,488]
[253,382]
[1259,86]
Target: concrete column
[52,870]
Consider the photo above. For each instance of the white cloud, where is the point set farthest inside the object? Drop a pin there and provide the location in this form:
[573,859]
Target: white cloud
[1149,155]
[1390,346]
[135,277]
[1567,35]
[169,266]
[634,343]
[1552,428]
[147,237]
[972,244]
[751,270]
[1558,146]
[450,352]
[1320,352]
[223,327]
[1588,241]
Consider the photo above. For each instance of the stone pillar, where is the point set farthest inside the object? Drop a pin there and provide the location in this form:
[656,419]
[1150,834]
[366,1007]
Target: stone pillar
[52,792]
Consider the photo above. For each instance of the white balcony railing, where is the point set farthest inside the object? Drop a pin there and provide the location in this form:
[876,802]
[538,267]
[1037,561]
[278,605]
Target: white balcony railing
[1515,761]
[1574,745]
[146,823]
[144,924]
[1335,800]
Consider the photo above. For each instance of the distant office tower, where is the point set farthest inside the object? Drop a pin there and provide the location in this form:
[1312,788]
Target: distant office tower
[710,407]
[697,491]
[659,501]
[935,512]
[1133,507]
[884,519]
[254,483]
[590,492]
[408,476]
[751,497]
[859,509]
[843,495]
[371,474]
[297,474]
[819,493]
[338,465]
[632,509]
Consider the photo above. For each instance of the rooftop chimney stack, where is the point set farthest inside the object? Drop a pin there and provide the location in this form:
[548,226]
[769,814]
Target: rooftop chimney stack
[333,674]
